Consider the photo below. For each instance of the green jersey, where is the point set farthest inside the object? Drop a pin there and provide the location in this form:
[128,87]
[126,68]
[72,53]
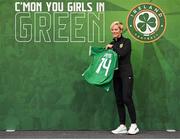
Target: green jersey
[101,70]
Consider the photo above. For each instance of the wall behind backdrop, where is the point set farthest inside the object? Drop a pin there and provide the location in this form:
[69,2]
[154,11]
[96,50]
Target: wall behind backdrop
[41,87]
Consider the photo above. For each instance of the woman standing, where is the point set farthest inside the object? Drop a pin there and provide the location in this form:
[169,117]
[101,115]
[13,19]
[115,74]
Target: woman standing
[123,79]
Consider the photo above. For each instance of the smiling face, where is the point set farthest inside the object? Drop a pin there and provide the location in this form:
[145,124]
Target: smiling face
[116,31]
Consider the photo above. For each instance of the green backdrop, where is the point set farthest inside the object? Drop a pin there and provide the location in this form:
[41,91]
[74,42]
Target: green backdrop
[41,87]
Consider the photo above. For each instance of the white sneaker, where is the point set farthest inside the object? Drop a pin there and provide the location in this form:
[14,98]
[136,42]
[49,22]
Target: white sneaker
[133,129]
[120,130]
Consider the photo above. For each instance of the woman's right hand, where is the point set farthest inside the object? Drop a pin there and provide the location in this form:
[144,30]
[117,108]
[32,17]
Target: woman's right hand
[109,46]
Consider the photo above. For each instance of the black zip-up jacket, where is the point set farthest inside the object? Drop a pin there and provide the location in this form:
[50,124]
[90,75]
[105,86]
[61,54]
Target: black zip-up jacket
[122,46]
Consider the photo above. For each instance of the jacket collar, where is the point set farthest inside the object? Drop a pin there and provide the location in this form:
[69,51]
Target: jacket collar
[118,39]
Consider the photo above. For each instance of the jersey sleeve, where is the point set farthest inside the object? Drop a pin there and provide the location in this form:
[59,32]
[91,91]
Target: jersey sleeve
[116,66]
[116,61]
[93,50]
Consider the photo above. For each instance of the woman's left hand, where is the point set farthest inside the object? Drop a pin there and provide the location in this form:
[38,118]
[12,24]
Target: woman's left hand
[109,46]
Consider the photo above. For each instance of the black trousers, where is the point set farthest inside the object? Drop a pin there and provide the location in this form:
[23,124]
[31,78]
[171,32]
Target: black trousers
[123,86]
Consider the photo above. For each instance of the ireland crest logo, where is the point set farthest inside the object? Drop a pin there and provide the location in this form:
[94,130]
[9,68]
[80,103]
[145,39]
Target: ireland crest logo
[146,22]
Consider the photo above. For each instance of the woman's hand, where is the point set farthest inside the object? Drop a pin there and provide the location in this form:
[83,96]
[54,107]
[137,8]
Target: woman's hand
[109,46]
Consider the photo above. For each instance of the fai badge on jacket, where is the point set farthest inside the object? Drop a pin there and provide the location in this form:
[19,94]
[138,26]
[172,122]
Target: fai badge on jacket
[121,45]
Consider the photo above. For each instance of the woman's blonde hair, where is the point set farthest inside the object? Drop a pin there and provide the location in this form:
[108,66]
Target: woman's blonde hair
[120,25]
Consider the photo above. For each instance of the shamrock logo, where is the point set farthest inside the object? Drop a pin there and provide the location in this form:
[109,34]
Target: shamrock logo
[146,22]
